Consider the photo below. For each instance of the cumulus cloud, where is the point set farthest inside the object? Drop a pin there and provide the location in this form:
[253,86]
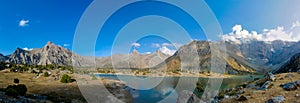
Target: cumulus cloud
[148,53]
[176,45]
[23,23]
[295,24]
[156,45]
[27,49]
[167,48]
[136,45]
[66,45]
[167,51]
[240,35]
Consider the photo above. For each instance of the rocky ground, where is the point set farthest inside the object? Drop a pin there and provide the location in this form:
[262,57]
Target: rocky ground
[279,88]
[50,89]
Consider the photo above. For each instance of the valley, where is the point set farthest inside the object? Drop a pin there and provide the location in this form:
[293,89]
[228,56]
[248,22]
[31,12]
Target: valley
[42,70]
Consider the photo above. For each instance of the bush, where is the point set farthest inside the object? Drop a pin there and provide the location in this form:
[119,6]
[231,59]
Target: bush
[16,81]
[16,90]
[46,74]
[66,79]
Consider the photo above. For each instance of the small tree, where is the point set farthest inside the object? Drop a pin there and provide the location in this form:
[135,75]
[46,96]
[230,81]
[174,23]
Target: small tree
[66,79]
[16,81]
[16,89]
[46,74]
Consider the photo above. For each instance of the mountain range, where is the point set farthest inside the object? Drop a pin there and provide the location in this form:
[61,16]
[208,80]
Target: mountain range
[245,58]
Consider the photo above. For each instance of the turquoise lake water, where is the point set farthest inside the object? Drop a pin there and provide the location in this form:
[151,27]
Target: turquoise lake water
[167,88]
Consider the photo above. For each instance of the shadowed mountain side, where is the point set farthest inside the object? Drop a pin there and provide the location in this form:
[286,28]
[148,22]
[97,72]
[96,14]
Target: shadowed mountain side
[198,54]
[292,65]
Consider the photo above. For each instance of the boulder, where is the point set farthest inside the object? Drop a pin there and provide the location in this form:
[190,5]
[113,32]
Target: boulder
[289,76]
[278,99]
[289,86]
[242,98]
[265,85]
[270,76]
[297,83]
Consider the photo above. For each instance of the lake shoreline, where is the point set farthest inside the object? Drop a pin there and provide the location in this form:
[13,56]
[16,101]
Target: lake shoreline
[213,75]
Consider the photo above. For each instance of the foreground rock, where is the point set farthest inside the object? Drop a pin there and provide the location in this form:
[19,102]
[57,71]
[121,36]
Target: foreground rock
[276,99]
[266,91]
[118,90]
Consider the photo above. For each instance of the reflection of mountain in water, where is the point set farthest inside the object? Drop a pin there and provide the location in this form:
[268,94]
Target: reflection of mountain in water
[171,85]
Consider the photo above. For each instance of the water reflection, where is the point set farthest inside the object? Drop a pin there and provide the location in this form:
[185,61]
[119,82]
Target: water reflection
[169,87]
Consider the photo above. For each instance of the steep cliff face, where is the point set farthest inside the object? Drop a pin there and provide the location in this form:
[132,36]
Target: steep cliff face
[132,60]
[199,53]
[292,65]
[49,54]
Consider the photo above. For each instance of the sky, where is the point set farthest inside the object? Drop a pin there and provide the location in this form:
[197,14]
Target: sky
[30,24]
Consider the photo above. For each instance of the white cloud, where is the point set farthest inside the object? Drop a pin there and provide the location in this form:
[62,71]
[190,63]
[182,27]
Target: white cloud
[166,44]
[136,44]
[167,48]
[27,49]
[155,45]
[23,23]
[295,24]
[167,51]
[66,45]
[240,35]
[148,53]
[177,45]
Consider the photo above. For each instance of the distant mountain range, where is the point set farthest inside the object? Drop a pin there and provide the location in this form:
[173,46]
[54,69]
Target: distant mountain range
[251,57]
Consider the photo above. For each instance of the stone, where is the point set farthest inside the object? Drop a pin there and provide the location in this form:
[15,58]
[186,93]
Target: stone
[289,86]
[270,76]
[270,101]
[278,99]
[226,96]
[297,95]
[289,76]
[265,85]
[242,98]
[297,83]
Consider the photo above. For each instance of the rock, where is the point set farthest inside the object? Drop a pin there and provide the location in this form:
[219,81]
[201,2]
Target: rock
[270,101]
[289,76]
[270,76]
[278,99]
[297,95]
[298,71]
[242,98]
[265,85]
[297,83]
[289,86]
[226,96]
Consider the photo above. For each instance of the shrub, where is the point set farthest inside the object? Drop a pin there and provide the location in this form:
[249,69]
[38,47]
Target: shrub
[46,74]
[16,81]
[66,79]
[16,90]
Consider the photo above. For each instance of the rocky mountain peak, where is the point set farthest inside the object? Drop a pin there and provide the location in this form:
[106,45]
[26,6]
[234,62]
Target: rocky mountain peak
[2,58]
[20,50]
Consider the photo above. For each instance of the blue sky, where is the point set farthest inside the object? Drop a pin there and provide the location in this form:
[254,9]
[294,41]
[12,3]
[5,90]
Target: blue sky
[31,23]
